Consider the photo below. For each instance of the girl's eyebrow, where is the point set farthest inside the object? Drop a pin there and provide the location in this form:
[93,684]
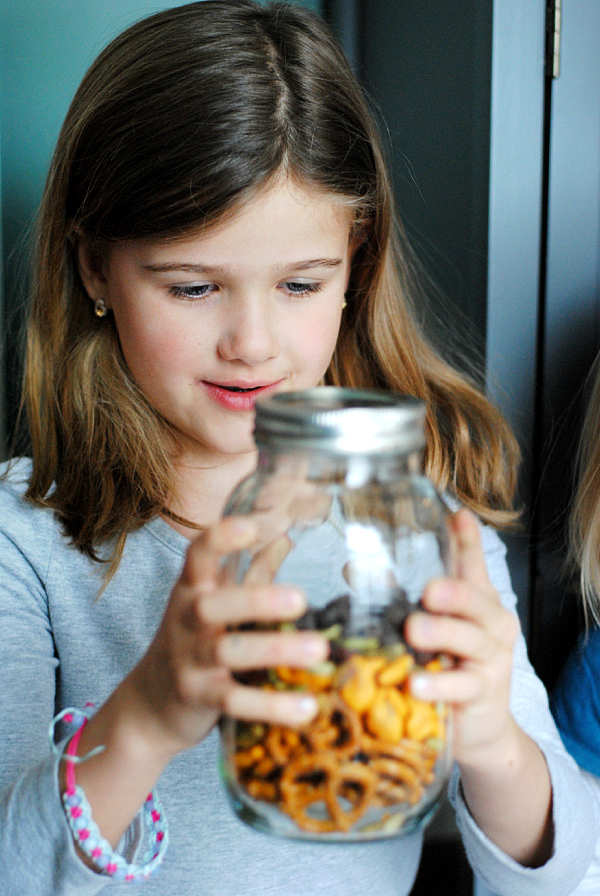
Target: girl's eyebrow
[187,268]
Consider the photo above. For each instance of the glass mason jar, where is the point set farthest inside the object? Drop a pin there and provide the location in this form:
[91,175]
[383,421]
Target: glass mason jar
[344,512]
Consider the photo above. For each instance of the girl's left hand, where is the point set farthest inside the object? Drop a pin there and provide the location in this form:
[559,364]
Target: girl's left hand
[504,776]
[466,620]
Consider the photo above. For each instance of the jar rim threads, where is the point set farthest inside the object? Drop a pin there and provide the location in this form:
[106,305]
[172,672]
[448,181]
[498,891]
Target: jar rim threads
[347,421]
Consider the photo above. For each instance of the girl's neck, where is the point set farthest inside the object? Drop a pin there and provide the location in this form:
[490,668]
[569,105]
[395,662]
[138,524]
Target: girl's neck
[200,492]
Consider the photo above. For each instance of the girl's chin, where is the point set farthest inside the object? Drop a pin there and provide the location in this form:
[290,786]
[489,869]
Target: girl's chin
[211,453]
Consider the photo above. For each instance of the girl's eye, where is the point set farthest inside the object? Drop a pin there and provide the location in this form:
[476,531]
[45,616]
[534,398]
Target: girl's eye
[300,287]
[192,291]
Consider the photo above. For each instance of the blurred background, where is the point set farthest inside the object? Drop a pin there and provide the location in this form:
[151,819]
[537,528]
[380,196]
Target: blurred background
[491,116]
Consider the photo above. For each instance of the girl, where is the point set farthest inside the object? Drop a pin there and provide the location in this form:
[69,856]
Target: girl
[216,226]
[575,698]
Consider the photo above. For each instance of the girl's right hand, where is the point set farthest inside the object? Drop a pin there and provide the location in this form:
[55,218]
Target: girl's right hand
[172,698]
[186,678]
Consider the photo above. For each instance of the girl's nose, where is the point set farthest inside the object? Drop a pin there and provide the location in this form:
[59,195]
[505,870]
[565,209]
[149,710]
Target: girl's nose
[249,334]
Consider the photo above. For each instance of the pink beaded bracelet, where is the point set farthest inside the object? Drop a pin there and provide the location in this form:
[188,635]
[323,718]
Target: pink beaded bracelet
[85,830]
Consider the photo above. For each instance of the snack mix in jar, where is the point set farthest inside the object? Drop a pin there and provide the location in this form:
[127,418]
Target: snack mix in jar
[343,511]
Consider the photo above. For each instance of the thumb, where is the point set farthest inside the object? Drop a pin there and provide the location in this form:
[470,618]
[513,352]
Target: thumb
[469,559]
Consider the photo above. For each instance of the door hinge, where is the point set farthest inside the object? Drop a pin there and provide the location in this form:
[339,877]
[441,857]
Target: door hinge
[553,29]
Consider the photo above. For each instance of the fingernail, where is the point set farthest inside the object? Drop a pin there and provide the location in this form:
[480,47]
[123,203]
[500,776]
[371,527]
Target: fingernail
[420,686]
[306,707]
[313,648]
[291,599]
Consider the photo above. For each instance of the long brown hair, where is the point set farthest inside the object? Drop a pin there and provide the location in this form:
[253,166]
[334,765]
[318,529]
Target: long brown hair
[181,119]
[584,521]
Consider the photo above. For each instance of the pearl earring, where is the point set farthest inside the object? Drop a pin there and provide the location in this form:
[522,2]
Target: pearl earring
[100,309]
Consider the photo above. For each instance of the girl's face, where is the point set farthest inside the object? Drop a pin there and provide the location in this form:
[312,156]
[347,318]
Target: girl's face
[212,322]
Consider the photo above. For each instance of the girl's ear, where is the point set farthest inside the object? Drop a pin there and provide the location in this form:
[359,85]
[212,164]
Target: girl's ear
[90,267]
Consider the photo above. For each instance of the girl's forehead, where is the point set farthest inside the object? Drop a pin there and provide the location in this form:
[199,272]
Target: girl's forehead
[287,192]
[278,225]
[279,197]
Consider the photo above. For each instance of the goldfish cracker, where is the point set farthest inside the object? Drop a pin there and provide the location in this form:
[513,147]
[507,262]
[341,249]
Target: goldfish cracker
[359,687]
[312,680]
[320,681]
[396,672]
[422,721]
[293,677]
[385,717]
[435,665]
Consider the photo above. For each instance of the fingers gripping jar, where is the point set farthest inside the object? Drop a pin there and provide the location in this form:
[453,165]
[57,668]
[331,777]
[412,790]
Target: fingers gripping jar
[344,512]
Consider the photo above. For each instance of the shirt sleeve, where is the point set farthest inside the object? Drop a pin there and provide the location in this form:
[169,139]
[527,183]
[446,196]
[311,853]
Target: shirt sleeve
[37,853]
[575,811]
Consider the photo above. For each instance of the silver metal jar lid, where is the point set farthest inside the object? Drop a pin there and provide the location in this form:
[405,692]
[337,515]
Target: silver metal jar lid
[347,421]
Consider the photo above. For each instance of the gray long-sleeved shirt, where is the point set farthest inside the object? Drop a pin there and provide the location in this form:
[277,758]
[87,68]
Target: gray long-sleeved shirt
[62,646]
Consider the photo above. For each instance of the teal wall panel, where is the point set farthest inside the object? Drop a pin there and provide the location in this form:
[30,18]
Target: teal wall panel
[45,49]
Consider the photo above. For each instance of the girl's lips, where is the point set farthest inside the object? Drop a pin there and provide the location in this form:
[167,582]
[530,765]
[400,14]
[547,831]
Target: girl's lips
[237,401]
